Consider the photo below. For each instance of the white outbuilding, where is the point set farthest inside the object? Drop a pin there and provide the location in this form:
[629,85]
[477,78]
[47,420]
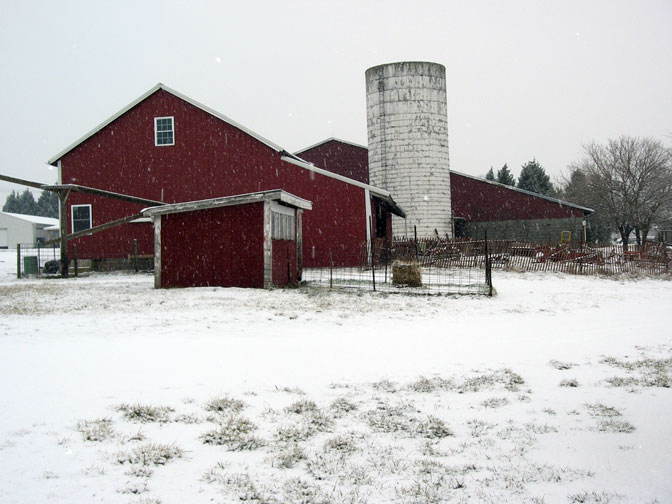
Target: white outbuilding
[25,229]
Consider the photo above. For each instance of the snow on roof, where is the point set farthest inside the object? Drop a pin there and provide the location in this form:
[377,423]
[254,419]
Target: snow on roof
[238,199]
[35,219]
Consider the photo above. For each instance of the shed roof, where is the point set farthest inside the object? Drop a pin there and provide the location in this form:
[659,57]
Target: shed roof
[34,219]
[239,199]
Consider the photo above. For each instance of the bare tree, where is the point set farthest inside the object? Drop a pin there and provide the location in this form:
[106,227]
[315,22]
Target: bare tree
[630,180]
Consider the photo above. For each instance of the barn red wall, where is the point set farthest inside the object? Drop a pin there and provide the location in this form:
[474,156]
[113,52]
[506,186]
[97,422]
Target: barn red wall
[480,201]
[345,159]
[215,247]
[210,158]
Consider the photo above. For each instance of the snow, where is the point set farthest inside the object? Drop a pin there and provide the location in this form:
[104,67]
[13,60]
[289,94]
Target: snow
[35,219]
[75,350]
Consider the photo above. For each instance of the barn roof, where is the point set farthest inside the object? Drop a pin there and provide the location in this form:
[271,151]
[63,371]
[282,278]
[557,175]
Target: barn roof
[238,199]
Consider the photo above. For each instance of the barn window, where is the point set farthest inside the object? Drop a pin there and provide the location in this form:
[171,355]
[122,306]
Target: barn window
[282,223]
[164,131]
[81,217]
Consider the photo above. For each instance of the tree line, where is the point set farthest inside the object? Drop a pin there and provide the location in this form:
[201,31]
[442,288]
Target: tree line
[25,203]
[627,181]
[532,178]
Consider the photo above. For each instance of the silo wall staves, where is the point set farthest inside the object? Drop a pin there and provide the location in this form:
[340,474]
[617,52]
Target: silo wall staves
[407,125]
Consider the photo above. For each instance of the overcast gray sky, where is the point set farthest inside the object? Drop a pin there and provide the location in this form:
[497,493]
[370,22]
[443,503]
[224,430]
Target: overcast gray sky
[524,78]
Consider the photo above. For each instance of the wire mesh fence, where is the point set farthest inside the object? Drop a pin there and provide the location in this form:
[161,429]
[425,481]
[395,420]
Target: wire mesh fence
[33,259]
[425,266]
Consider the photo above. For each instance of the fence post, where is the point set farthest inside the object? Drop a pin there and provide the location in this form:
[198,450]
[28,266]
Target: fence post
[18,260]
[372,254]
[488,266]
[135,254]
[415,234]
[38,259]
[331,270]
[74,258]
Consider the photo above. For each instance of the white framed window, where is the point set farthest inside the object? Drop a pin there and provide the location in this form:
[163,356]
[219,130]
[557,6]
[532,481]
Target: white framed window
[164,131]
[81,217]
[282,223]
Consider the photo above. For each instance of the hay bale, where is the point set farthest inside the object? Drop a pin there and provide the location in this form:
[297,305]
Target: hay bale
[407,273]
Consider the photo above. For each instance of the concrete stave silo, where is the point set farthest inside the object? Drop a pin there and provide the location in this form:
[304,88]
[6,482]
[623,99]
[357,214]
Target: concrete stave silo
[407,125]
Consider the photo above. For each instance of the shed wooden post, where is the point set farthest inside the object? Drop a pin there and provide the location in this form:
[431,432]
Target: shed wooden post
[299,246]
[63,222]
[157,251]
[268,246]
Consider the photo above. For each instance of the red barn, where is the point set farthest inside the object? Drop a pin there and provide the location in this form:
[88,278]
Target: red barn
[478,205]
[167,147]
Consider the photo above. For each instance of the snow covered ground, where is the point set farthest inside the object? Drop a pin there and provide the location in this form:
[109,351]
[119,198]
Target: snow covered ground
[556,390]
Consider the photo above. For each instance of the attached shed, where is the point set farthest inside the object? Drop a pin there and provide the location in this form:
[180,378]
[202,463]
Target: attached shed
[247,240]
[31,229]
[506,212]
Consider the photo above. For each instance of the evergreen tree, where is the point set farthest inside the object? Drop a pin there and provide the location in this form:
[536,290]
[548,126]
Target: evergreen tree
[504,176]
[47,204]
[490,175]
[23,203]
[27,203]
[12,203]
[533,178]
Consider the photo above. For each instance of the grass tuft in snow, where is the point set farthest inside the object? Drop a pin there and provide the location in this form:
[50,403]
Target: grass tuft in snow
[652,372]
[286,455]
[433,428]
[602,410]
[96,430]
[139,471]
[294,433]
[388,418]
[569,383]
[385,385]
[224,405]
[341,407]
[145,413]
[505,377]
[424,385]
[301,407]
[150,454]
[612,425]
[561,366]
[594,498]
[311,414]
[343,444]
[495,402]
[235,434]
